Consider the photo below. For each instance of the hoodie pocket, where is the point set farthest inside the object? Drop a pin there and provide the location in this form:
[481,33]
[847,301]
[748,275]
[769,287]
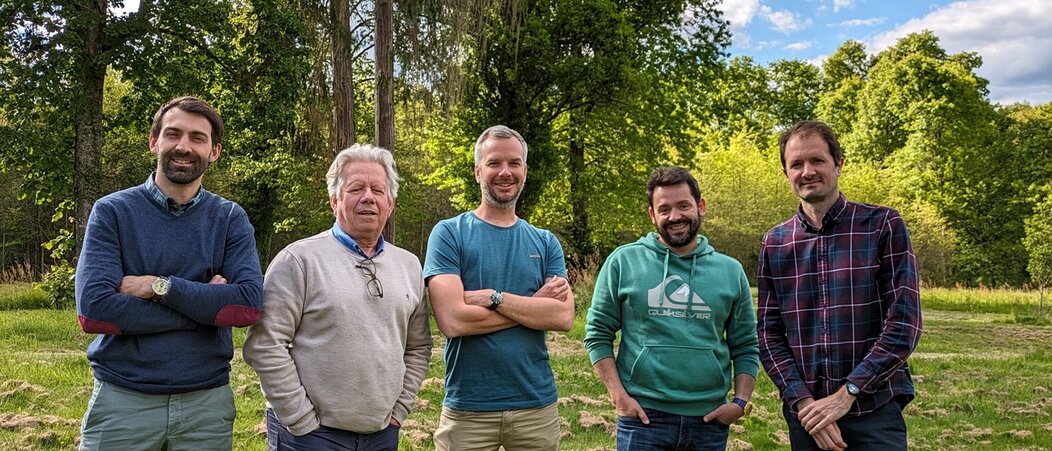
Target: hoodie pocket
[678,372]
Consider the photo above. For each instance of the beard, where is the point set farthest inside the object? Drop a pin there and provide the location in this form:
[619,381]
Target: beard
[496,201]
[680,239]
[180,175]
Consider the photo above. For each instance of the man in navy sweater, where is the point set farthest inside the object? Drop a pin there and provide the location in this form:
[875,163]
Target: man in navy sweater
[166,269]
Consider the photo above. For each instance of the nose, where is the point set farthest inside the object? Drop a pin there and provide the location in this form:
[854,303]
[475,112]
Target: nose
[809,170]
[184,142]
[505,170]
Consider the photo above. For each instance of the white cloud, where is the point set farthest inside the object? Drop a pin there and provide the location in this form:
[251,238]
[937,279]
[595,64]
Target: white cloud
[784,21]
[841,4]
[1014,38]
[739,12]
[799,46]
[860,22]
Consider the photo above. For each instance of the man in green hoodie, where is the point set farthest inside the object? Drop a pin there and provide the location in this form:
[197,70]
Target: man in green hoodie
[685,315]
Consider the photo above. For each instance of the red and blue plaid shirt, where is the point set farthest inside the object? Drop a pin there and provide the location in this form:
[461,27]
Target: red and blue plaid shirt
[839,304]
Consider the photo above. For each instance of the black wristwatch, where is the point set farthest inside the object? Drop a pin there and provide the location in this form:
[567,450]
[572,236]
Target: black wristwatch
[853,389]
[497,298]
[745,405]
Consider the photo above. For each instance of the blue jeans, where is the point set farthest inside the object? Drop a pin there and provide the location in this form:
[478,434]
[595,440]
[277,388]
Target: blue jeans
[883,429]
[670,432]
[328,439]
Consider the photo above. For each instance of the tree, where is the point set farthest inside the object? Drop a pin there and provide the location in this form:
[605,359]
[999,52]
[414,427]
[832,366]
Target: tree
[1038,242]
[796,85]
[550,68]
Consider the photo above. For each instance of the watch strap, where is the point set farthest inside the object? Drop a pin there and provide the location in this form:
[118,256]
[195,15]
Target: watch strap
[745,405]
[496,299]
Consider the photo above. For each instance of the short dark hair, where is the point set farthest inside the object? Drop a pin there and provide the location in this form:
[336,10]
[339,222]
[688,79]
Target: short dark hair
[671,177]
[190,105]
[804,129]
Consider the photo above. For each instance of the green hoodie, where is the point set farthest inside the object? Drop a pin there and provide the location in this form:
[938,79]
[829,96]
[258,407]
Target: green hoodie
[683,320]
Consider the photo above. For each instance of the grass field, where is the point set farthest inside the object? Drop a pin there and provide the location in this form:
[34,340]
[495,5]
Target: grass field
[983,373]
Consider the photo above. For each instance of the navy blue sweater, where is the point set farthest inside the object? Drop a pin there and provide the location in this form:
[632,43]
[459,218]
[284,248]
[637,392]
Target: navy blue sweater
[183,343]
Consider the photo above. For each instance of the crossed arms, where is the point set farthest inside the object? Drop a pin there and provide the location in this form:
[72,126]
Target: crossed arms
[461,313]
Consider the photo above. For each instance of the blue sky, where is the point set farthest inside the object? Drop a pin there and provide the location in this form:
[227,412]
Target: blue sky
[1014,37]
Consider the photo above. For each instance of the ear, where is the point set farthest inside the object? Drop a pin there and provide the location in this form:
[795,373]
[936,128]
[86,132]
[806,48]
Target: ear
[701,206]
[478,174]
[839,167]
[650,212]
[214,155]
[153,144]
[333,201]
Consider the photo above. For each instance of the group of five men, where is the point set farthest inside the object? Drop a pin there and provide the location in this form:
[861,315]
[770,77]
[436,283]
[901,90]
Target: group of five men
[340,332]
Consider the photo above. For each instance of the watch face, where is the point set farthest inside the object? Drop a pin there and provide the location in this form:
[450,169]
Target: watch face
[853,389]
[160,286]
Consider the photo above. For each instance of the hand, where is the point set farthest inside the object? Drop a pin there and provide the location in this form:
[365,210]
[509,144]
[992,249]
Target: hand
[395,423]
[138,286]
[627,406]
[218,279]
[828,438]
[816,415]
[554,287]
[726,414]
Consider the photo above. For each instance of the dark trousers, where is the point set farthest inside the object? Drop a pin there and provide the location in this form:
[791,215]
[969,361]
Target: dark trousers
[670,432]
[328,439]
[881,430]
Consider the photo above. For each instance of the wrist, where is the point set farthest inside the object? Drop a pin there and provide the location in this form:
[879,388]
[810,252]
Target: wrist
[496,299]
[745,405]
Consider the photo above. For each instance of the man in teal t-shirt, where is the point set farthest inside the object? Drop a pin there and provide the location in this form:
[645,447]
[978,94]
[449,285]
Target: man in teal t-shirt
[496,285]
[685,315]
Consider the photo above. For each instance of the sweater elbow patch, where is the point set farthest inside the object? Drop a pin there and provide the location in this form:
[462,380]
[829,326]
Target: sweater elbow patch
[237,316]
[97,327]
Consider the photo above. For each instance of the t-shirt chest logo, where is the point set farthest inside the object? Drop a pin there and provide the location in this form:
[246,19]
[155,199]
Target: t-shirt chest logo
[674,297]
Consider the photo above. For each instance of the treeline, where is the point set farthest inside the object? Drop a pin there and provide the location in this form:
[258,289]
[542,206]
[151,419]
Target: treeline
[603,91]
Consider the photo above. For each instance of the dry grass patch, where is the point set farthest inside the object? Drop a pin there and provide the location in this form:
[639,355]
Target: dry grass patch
[591,420]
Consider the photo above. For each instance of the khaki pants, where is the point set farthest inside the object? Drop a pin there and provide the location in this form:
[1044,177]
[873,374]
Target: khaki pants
[515,430]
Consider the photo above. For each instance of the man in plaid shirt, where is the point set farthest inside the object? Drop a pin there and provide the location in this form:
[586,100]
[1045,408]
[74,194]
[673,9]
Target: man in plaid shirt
[839,306]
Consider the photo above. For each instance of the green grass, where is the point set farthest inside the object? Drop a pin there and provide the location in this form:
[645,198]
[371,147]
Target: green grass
[22,295]
[984,381]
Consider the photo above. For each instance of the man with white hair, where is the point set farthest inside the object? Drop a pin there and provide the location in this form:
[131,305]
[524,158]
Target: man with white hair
[343,344]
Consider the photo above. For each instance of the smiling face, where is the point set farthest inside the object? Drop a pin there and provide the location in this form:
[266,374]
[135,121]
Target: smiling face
[501,172]
[812,172]
[183,146]
[363,203]
[677,216]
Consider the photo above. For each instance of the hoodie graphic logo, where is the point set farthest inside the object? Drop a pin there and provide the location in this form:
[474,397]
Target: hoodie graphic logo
[670,298]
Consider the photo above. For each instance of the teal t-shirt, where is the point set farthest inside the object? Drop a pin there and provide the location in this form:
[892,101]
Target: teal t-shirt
[508,369]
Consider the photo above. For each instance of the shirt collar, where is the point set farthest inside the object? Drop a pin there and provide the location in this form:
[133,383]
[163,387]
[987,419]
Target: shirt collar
[351,244]
[167,202]
[832,216]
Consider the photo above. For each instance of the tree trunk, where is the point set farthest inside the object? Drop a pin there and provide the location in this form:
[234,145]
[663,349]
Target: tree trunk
[385,88]
[91,73]
[342,75]
[580,229]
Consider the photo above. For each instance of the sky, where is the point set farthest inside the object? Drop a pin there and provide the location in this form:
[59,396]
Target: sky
[1013,37]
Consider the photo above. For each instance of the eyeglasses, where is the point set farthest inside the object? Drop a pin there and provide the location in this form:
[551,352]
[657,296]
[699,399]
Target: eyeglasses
[368,268]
